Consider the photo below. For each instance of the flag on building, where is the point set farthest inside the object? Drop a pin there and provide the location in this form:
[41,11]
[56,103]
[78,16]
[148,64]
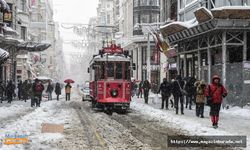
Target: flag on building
[161,45]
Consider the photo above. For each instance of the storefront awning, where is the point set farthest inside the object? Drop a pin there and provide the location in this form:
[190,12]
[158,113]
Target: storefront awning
[231,12]
[229,17]
[4,6]
[33,46]
[4,55]
[203,14]
[9,30]
[177,26]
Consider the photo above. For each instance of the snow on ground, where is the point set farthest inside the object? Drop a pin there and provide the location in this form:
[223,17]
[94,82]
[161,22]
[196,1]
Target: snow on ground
[31,123]
[16,107]
[234,121]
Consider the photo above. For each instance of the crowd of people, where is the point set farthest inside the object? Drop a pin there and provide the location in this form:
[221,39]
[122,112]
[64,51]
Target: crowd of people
[31,90]
[190,91]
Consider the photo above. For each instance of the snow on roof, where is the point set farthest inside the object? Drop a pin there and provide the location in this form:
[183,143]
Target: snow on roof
[202,14]
[110,58]
[178,26]
[232,12]
[231,7]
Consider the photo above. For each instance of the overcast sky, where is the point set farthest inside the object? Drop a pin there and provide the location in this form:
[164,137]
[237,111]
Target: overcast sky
[74,11]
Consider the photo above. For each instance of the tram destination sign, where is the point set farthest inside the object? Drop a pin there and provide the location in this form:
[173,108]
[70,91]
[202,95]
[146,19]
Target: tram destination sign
[113,49]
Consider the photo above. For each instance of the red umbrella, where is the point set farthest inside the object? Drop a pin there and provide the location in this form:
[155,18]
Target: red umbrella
[69,81]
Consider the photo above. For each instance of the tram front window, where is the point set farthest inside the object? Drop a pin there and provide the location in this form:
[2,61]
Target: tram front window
[118,71]
[110,70]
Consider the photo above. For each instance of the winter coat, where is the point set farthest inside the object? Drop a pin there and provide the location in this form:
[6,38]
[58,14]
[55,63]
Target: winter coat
[190,88]
[58,89]
[34,91]
[146,86]
[176,91]
[50,88]
[200,91]
[216,91]
[165,88]
[10,88]
[68,88]
[1,89]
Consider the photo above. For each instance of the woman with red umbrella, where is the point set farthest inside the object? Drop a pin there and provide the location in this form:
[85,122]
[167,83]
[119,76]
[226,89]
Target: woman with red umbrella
[68,88]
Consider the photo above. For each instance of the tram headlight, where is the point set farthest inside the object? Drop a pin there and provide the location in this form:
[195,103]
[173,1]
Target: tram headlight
[114,93]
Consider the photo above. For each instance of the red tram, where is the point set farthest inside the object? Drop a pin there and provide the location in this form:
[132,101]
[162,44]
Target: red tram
[110,79]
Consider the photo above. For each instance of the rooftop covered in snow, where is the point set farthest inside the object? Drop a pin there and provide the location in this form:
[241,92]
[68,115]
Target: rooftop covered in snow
[229,17]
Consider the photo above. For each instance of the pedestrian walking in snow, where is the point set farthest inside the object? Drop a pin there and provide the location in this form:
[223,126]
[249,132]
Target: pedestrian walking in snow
[10,88]
[134,87]
[146,87]
[49,90]
[25,90]
[140,90]
[2,90]
[165,89]
[37,90]
[58,90]
[190,89]
[177,88]
[68,91]
[20,87]
[200,98]
[215,93]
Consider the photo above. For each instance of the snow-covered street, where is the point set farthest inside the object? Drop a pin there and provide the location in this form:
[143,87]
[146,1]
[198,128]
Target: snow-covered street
[144,127]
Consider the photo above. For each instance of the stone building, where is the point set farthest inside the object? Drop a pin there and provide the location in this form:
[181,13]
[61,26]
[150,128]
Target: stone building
[211,37]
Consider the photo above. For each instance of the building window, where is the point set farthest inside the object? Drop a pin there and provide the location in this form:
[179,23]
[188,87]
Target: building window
[23,33]
[23,5]
[144,55]
[136,3]
[145,18]
[108,19]
[173,12]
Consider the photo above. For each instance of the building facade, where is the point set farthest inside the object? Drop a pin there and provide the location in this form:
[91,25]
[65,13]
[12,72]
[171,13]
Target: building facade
[24,28]
[213,39]
[140,43]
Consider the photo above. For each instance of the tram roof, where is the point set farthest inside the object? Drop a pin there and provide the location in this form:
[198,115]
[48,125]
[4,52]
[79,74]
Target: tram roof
[108,57]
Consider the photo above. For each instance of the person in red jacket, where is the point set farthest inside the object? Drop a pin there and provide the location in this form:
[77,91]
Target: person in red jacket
[216,91]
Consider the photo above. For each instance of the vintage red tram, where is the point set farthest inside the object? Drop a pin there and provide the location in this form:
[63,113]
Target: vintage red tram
[110,79]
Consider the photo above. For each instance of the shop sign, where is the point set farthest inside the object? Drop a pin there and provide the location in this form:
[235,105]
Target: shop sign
[247,65]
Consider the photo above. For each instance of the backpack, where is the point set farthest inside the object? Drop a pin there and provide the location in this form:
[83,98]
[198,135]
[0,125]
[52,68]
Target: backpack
[38,87]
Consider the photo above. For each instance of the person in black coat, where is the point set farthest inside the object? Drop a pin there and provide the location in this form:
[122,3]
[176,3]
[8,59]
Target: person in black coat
[2,90]
[49,90]
[165,89]
[190,89]
[58,90]
[10,90]
[20,87]
[146,87]
[177,86]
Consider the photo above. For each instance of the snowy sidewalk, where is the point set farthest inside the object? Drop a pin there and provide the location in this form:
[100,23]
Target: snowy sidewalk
[234,121]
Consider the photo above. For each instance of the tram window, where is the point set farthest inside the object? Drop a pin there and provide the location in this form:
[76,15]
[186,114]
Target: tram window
[118,71]
[127,71]
[102,71]
[110,70]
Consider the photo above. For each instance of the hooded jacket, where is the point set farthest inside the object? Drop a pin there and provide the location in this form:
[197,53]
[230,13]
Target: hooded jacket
[216,91]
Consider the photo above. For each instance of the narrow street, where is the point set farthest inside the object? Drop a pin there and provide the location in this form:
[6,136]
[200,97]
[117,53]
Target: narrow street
[88,129]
